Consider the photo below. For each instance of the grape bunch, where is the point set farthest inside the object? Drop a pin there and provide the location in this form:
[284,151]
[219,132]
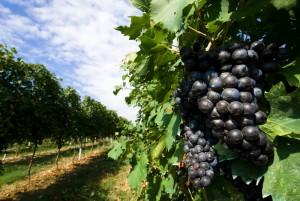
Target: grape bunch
[218,101]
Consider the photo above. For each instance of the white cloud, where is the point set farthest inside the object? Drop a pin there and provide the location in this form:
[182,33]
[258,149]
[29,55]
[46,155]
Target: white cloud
[79,33]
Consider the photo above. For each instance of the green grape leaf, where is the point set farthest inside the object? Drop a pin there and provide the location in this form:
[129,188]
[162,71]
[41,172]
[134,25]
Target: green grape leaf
[159,148]
[224,154]
[284,118]
[178,153]
[247,170]
[118,149]
[169,13]
[172,130]
[139,172]
[292,73]
[168,185]
[224,16]
[286,4]
[283,177]
[138,23]
[143,5]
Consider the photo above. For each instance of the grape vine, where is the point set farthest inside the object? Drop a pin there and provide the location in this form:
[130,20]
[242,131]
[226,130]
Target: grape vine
[236,106]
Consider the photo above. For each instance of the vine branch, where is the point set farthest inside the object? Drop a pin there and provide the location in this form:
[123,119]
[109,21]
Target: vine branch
[199,32]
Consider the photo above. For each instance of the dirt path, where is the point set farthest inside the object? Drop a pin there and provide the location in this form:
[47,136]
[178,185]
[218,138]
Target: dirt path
[42,181]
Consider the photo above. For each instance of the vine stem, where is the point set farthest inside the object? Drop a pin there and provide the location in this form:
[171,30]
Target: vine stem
[199,32]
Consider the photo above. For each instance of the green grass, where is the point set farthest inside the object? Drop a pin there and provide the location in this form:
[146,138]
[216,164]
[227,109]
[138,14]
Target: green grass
[15,171]
[99,180]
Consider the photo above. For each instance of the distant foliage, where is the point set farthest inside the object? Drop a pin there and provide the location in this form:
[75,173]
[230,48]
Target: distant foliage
[34,107]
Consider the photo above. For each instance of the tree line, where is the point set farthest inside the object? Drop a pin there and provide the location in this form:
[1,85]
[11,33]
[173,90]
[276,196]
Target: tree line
[34,107]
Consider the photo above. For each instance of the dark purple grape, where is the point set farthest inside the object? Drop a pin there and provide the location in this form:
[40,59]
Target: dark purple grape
[246,97]
[201,172]
[230,81]
[210,156]
[262,141]
[240,55]
[256,74]
[234,46]
[230,94]
[208,75]
[234,137]
[226,68]
[210,173]
[204,165]
[201,141]
[258,46]
[214,114]
[260,117]
[199,87]
[199,133]
[186,53]
[246,83]
[224,74]
[196,47]
[193,139]
[217,133]
[255,153]
[252,55]
[198,148]
[235,108]
[217,124]
[205,181]
[240,70]
[257,92]
[224,56]
[213,96]
[222,107]
[230,124]
[262,160]
[193,174]
[268,148]
[189,64]
[251,133]
[202,157]
[205,105]
[246,145]
[246,121]
[216,84]
[249,108]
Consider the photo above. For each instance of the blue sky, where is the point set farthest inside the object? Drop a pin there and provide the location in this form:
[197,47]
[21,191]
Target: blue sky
[76,40]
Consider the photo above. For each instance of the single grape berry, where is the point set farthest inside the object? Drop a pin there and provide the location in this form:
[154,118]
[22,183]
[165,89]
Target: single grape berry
[205,181]
[252,55]
[246,97]
[258,46]
[240,70]
[246,84]
[249,108]
[217,124]
[226,67]
[214,114]
[260,117]
[230,94]
[222,107]
[250,133]
[240,55]
[216,84]
[224,56]
[257,92]
[193,139]
[234,137]
[213,96]
[205,105]
[230,81]
[235,108]
[230,124]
